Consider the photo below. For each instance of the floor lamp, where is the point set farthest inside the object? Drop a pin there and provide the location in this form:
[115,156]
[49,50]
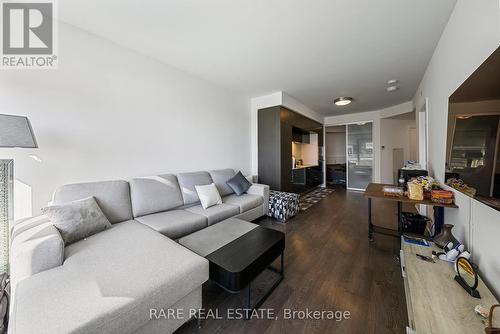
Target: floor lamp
[15,131]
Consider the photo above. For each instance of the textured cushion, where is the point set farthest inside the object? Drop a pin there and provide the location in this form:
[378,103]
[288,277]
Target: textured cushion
[36,246]
[215,213]
[239,184]
[113,197]
[214,237]
[155,194]
[283,205]
[209,195]
[187,181]
[108,283]
[175,223]
[220,177]
[78,219]
[245,202]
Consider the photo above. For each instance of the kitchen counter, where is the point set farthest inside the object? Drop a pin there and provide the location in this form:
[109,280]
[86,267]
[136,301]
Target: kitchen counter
[304,166]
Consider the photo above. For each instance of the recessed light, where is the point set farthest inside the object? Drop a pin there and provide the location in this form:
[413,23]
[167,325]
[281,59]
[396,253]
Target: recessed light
[342,101]
[392,88]
[392,82]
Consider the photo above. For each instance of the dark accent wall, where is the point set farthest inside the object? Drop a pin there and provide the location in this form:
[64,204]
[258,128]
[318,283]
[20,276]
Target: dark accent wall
[277,127]
[269,134]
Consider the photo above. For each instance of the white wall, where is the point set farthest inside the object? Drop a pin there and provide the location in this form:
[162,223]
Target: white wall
[375,117]
[394,133]
[471,35]
[309,154]
[110,113]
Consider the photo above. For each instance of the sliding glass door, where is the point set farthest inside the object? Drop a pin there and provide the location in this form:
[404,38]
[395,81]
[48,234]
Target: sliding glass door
[359,139]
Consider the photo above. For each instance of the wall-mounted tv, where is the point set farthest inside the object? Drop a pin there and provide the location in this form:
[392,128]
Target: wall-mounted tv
[473,141]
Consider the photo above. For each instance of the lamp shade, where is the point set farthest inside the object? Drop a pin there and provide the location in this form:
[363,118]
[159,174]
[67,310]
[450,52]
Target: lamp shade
[16,131]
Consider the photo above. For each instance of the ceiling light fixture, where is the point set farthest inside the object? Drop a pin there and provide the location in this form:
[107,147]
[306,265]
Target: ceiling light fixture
[392,88]
[342,101]
[392,82]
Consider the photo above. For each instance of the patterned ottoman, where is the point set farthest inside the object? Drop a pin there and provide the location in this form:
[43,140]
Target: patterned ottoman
[282,205]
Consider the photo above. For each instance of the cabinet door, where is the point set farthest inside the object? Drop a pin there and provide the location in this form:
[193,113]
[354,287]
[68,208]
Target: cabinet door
[269,146]
[303,122]
[286,156]
[320,136]
[306,138]
[314,176]
[296,136]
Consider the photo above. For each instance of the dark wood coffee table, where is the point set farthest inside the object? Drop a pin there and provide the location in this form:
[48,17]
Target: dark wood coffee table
[235,265]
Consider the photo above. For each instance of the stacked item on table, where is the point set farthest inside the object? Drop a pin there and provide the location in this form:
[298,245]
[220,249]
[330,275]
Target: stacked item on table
[427,183]
[393,191]
[442,196]
[419,187]
[426,187]
[415,191]
[460,185]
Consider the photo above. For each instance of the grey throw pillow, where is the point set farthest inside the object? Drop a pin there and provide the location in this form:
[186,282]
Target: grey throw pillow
[239,184]
[78,219]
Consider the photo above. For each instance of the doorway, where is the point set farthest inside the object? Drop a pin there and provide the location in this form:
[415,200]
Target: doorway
[359,138]
[349,155]
[335,155]
[398,143]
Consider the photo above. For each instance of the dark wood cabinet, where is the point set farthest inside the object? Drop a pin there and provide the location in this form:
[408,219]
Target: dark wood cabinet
[286,156]
[296,135]
[277,128]
[314,176]
[301,136]
[269,128]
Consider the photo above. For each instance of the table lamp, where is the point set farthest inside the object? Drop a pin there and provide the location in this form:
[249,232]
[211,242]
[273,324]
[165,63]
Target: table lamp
[15,131]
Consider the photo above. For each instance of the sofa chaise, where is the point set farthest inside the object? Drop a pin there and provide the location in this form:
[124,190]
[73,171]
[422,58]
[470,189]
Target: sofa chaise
[110,281]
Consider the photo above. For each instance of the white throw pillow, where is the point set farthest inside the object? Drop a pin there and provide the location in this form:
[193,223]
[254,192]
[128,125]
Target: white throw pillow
[209,195]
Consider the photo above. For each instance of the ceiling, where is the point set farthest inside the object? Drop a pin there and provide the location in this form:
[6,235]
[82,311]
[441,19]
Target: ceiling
[483,84]
[312,50]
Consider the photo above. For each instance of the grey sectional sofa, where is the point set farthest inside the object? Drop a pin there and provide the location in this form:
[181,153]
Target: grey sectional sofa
[109,282]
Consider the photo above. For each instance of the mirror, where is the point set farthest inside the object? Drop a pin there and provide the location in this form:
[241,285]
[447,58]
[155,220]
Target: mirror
[473,137]
[467,276]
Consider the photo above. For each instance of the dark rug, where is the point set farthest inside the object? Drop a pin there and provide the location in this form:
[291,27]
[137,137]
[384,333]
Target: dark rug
[314,197]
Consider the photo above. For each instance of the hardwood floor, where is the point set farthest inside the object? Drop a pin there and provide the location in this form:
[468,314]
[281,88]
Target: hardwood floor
[329,265]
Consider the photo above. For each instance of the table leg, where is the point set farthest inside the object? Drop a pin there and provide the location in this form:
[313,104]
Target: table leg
[370,223]
[438,219]
[281,273]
